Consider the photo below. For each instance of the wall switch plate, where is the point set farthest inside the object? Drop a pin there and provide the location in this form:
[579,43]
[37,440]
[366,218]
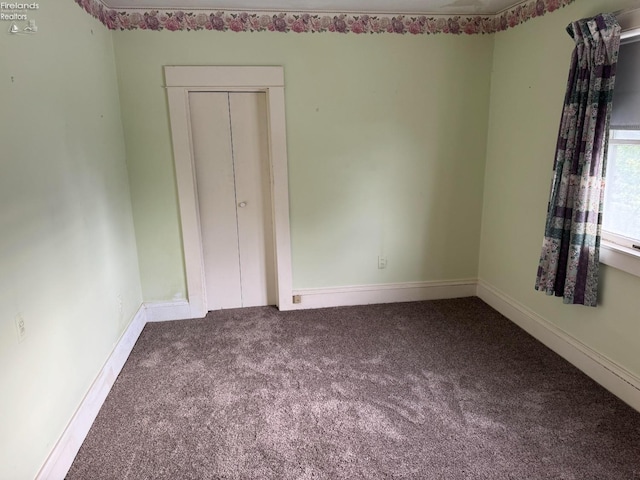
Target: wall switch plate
[382,262]
[21,328]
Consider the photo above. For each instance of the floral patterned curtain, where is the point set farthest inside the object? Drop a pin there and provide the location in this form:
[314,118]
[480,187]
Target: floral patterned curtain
[570,251]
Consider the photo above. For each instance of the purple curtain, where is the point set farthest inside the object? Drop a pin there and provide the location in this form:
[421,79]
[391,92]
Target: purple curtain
[570,251]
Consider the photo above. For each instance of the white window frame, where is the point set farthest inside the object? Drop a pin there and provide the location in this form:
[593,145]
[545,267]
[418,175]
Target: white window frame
[617,251]
[619,256]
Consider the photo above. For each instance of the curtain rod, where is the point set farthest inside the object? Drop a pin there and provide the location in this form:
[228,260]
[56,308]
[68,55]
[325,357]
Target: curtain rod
[629,19]
[624,11]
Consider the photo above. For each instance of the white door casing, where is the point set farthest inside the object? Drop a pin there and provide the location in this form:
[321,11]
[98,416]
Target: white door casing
[180,81]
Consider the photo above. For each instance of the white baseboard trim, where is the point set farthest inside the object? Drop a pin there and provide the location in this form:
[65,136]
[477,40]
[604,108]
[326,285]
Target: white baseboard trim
[166,311]
[61,457]
[383,293]
[612,376]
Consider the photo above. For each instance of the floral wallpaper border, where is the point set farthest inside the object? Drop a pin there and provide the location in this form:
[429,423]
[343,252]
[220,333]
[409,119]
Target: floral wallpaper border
[175,20]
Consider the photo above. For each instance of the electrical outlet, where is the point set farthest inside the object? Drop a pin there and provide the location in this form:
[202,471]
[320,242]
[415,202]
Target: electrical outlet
[21,328]
[297,299]
[382,262]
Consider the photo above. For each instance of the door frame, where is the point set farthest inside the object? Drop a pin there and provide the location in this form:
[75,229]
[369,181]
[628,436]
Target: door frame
[179,82]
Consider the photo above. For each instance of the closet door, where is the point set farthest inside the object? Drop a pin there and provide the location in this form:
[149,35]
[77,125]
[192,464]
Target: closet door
[253,194]
[229,135]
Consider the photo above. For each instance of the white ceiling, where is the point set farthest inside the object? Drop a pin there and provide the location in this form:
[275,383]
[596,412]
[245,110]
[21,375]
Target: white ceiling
[443,7]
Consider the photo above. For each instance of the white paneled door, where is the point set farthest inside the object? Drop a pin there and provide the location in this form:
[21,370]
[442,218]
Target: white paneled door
[230,144]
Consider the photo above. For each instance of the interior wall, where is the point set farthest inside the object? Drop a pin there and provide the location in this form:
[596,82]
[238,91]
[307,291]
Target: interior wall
[386,144]
[530,69]
[387,137]
[67,249]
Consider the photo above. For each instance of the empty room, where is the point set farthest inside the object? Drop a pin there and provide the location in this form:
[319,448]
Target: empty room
[320,239]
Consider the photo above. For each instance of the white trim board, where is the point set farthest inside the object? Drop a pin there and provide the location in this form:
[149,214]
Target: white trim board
[612,376]
[65,450]
[166,311]
[620,257]
[383,293]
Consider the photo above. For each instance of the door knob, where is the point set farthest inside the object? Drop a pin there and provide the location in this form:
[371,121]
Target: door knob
[242,204]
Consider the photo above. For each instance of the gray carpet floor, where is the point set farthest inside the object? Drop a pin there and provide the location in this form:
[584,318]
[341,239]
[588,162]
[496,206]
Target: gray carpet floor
[448,389]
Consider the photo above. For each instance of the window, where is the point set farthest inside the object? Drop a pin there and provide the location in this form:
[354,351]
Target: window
[621,218]
[622,193]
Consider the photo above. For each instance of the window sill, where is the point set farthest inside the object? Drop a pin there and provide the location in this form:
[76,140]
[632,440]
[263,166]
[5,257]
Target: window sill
[622,258]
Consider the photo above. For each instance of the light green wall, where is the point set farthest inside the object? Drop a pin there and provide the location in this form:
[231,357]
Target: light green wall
[386,142]
[530,69]
[67,248]
[387,138]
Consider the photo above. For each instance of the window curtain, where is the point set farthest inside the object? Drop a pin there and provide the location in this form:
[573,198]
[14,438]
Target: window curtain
[570,251]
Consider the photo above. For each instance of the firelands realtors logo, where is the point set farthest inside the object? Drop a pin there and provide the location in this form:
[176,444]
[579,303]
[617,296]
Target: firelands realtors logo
[16,11]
